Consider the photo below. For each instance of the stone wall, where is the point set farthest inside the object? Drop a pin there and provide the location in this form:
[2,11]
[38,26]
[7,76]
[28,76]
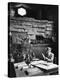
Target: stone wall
[31,27]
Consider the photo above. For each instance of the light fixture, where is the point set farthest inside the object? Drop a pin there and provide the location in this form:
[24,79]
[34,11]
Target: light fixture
[22,11]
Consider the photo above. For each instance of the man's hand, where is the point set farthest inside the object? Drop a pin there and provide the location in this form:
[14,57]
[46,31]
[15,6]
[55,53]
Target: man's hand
[43,56]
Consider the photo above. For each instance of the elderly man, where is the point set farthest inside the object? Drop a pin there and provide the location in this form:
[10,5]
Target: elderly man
[49,55]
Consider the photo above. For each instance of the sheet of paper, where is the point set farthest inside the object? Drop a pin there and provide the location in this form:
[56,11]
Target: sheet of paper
[47,67]
[44,64]
[21,64]
[35,62]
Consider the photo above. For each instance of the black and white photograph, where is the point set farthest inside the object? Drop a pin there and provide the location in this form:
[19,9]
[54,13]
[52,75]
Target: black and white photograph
[32,39]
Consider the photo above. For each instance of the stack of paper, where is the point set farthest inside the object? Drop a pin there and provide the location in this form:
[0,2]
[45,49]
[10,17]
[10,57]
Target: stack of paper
[44,65]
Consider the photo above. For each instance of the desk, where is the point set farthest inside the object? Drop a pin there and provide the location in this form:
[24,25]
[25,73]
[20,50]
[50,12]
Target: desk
[47,67]
[38,68]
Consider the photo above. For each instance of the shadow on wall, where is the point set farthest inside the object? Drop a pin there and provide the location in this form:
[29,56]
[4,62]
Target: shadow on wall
[39,49]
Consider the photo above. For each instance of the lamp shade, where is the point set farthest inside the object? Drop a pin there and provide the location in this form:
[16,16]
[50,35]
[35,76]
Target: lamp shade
[22,11]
